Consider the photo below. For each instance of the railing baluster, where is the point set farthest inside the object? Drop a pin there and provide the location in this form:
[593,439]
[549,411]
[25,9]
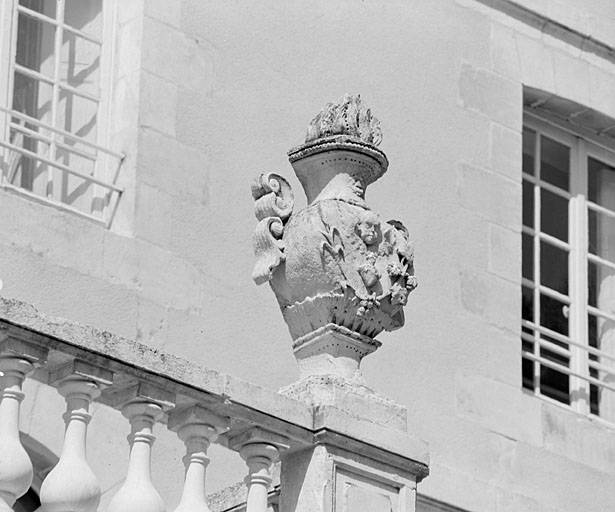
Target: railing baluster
[15,465]
[138,494]
[260,458]
[198,428]
[261,450]
[72,485]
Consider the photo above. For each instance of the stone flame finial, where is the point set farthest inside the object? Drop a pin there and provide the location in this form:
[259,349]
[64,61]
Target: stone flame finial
[348,116]
[341,275]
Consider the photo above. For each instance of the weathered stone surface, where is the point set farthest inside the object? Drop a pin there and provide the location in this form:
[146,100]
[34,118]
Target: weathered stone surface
[158,115]
[508,501]
[490,195]
[490,297]
[578,439]
[352,397]
[504,252]
[491,94]
[505,150]
[536,62]
[504,56]
[571,78]
[481,399]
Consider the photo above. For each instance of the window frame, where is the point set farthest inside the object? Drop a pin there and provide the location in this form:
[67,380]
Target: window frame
[582,146]
[106,162]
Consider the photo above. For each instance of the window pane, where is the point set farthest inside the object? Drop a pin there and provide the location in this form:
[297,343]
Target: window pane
[84,15]
[23,170]
[592,284]
[35,41]
[594,397]
[527,369]
[528,204]
[46,7]
[553,314]
[527,303]
[605,398]
[80,63]
[527,345]
[601,235]
[529,150]
[77,115]
[554,267]
[592,330]
[553,383]
[554,215]
[601,286]
[32,97]
[554,163]
[71,189]
[601,333]
[601,183]
[527,252]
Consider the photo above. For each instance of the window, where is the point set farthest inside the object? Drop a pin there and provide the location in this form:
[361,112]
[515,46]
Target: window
[53,106]
[568,283]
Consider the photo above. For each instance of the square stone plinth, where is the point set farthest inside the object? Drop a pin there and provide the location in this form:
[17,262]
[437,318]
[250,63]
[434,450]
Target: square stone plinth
[349,396]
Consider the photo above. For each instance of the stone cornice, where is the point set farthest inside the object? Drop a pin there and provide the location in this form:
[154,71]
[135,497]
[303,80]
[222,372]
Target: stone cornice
[585,42]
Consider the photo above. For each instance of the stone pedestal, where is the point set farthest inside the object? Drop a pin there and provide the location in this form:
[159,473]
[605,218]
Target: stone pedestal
[354,466]
[362,459]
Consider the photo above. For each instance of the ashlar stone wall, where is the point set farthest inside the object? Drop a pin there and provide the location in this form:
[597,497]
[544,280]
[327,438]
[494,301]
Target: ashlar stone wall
[209,94]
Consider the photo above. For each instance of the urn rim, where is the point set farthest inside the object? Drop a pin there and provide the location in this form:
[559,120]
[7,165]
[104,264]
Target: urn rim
[343,142]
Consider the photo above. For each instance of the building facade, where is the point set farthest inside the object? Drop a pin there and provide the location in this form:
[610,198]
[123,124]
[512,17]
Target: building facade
[130,132]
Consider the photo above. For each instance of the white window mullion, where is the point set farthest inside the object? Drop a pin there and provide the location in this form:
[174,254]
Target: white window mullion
[577,271]
[103,165]
[536,257]
[8,34]
[55,97]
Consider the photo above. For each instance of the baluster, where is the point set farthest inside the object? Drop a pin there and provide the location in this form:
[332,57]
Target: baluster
[261,450]
[198,428]
[138,494]
[15,466]
[72,485]
[260,458]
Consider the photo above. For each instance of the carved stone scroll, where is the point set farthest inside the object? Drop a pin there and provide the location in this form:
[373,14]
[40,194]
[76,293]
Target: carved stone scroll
[268,247]
[273,206]
[273,196]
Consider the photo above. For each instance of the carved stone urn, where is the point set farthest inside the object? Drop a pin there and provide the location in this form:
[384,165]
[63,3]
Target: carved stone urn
[340,274]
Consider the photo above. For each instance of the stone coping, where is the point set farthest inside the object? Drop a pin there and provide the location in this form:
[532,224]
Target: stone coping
[23,321]
[248,405]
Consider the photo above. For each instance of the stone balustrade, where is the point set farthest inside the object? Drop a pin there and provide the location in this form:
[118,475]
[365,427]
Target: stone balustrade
[155,390]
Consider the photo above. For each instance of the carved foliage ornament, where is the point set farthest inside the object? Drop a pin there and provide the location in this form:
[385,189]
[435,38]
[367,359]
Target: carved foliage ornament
[334,262]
